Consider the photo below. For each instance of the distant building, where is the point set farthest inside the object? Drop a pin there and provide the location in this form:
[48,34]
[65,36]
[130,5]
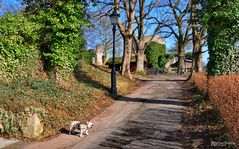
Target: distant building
[156,39]
[172,65]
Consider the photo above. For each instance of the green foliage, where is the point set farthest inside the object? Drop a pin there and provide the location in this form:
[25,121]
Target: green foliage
[188,55]
[87,56]
[163,60]
[222,21]
[155,55]
[53,35]
[61,34]
[18,48]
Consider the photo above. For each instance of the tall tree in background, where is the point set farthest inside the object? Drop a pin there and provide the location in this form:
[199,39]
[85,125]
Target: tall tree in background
[106,37]
[134,13]
[141,41]
[127,31]
[221,19]
[100,33]
[126,8]
[198,36]
[177,24]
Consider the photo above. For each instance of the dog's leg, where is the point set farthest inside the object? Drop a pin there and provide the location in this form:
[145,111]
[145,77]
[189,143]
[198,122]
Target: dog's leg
[86,132]
[70,130]
[81,133]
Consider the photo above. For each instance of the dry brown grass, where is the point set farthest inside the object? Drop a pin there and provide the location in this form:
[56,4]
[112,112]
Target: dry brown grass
[223,92]
[200,80]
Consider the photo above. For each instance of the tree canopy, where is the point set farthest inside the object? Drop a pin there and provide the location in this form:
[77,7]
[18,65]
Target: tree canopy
[49,30]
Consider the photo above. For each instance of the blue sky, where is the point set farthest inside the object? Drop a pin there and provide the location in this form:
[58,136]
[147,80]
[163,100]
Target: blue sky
[10,5]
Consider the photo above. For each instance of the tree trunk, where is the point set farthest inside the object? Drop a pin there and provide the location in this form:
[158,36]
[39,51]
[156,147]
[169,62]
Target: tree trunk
[198,60]
[140,62]
[197,56]
[127,56]
[181,58]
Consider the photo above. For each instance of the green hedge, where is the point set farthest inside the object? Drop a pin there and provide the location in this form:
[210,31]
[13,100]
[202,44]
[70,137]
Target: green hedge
[155,54]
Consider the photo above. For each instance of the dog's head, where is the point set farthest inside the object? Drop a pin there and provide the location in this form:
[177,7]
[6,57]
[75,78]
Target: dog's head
[89,124]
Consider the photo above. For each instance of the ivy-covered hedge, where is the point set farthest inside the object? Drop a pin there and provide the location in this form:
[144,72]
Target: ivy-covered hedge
[61,34]
[50,38]
[18,46]
[222,20]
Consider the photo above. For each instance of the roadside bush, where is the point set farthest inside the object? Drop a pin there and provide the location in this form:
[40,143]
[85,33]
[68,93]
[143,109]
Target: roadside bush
[200,80]
[223,92]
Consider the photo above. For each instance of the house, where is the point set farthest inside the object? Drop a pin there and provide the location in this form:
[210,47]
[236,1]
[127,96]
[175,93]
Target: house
[156,39]
[172,65]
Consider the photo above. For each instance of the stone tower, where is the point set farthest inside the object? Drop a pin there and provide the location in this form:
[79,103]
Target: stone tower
[98,57]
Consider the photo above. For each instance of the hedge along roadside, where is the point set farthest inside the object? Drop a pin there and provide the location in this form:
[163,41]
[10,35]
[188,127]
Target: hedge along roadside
[223,93]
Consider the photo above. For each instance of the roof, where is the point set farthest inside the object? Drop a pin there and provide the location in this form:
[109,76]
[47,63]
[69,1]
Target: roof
[176,63]
[156,39]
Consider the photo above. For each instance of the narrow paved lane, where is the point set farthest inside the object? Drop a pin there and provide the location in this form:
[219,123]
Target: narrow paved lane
[154,124]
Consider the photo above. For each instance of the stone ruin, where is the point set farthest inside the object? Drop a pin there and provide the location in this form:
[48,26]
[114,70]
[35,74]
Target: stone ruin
[98,60]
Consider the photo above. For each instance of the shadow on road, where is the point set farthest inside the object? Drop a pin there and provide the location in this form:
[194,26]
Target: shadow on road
[151,129]
[154,101]
[170,80]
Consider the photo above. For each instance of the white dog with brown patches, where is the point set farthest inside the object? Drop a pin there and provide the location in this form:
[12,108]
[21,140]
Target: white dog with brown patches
[82,127]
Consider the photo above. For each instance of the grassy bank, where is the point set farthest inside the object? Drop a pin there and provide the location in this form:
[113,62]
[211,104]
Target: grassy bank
[78,97]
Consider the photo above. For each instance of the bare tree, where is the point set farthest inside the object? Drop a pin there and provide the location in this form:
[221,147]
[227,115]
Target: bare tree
[126,8]
[141,41]
[127,31]
[1,5]
[100,33]
[176,13]
[198,38]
